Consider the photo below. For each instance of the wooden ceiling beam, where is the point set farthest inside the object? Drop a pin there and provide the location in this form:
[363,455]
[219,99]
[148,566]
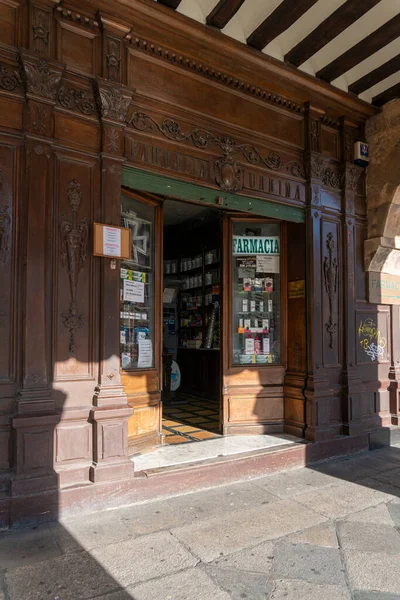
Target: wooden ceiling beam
[331,27]
[285,14]
[375,76]
[170,3]
[365,48]
[223,13]
[389,94]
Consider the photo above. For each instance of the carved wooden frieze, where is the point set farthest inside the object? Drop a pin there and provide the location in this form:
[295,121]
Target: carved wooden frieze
[318,167]
[350,176]
[74,99]
[330,279]
[112,101]
[77,17]
[227,173]
[74,236]
[9,78]
[41,77]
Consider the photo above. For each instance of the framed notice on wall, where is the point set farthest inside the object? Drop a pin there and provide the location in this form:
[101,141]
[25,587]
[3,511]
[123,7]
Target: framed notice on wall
[111,241]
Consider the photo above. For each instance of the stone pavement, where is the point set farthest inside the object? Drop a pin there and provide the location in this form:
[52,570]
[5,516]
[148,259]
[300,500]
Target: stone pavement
[330,532]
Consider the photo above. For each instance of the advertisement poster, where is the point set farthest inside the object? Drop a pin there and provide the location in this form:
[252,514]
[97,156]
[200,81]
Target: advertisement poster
[145,358]
[111,241]
[133,291]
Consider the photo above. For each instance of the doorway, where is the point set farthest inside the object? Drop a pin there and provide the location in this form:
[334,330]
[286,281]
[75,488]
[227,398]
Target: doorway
[192,322]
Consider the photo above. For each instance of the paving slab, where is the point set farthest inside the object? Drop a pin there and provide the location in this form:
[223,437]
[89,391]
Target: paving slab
[257,559]
[391,476]
[371,571]
[369,537]
[241,584]
[27,546]
[320,535]
[240,530]
[375,514]
[342,499]
[303,590]
[394,512]
[293,483]
[90,531]
[311,563]
[69,577]
[190,508]
[360,595]
[149,556]
[192,584]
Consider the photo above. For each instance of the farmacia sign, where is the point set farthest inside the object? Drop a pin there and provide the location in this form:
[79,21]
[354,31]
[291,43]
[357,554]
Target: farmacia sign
[255,245]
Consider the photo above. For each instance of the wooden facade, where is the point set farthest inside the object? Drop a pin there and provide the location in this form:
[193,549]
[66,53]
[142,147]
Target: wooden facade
[94,96]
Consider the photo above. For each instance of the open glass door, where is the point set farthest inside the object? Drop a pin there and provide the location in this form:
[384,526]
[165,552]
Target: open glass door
[140,318]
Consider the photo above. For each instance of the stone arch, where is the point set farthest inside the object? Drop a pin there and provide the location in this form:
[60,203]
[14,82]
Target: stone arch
[382,248]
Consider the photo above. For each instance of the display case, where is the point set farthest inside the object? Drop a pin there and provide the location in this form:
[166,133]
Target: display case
[137,287]
[256,297]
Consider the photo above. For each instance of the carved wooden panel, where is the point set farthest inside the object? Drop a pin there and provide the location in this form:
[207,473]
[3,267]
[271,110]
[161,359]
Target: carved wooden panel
[330,142]
[149,78]
[40,31]
[75,132]
[9,172]
[79,46]
[8,21]
[145,419]
[253,409]
[75,304]
[4,447]
[331,289]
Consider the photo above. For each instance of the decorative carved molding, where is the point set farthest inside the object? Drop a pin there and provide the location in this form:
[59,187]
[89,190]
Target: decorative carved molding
[316,168]
[9,79]
[202,139]
[112,101]
[327,120]
[39,76]
[5,225]
[73,99]
[73,255]
[113,59]
[228,174]
[39,124]
[315,135]
[113,139]
[330,178]
[330,278]
[41,31]
[350,176]
[207,71]
[78,18]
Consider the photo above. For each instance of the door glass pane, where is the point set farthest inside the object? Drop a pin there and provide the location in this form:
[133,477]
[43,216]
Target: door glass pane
[256,293]
[137,287]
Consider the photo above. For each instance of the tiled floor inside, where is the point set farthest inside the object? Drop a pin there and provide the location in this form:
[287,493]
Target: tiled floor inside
[190,419]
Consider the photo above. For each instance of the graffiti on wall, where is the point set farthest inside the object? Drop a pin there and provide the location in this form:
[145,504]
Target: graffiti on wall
[370,339]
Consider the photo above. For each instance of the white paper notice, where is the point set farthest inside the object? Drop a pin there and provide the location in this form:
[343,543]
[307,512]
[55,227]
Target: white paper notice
[168,295]
[266,345]
[111,241]
[145,358]
[267,264]
[133,291]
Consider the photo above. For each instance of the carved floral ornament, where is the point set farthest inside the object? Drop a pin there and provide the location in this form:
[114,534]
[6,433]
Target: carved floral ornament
[228,174]
[73,99]
[74,237]
[39,77]
[330,279]
[9,79]
[112,103]
[5,225]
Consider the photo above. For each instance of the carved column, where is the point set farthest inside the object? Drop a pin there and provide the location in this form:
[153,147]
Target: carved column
[35,418]
[111,412]
[352,386]
[318,389]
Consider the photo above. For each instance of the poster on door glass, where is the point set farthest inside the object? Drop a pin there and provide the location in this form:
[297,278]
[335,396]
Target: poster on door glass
[256,296]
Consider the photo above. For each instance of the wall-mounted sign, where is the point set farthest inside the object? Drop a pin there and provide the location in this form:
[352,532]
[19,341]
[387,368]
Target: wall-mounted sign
[255,245]
[296,289]
[383,288]
[112,242]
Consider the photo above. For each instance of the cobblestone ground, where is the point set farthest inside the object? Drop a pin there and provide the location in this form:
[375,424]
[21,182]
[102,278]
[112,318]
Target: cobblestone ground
[330,532]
